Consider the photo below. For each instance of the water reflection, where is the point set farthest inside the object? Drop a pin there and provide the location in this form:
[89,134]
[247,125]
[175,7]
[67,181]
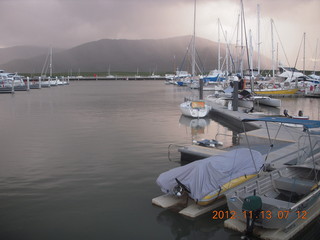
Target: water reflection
[200,228]
[197,126]
[267,110]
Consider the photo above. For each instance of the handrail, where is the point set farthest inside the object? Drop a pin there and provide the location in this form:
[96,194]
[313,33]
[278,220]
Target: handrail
[305,199]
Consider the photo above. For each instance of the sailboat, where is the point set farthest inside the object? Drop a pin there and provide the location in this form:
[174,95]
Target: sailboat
[194,108]
[275,91]
[260,98]
[46,65]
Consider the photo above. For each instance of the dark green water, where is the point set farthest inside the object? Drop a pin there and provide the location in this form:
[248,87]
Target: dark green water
[80,162]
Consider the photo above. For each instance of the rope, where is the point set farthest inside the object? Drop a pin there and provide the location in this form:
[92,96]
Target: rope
[281,44]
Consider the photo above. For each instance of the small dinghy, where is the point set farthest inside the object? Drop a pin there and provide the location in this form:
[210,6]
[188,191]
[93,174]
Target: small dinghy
[208,143]
[208,179]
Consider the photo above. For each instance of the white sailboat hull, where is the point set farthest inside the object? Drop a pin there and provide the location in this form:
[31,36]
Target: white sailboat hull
[187,110]
[267,101]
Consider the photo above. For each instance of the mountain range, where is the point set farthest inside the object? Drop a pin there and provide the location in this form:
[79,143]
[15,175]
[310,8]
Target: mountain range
[116,55]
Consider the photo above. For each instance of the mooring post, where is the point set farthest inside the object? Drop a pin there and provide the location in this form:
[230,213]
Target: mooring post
[201,89]
[28,84]
[235,94]
[39,82]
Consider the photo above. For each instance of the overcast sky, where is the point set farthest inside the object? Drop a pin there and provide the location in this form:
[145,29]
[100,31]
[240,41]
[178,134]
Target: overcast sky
[68,23]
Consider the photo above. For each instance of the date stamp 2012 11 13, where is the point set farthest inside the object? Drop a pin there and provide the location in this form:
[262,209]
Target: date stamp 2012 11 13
[281,214]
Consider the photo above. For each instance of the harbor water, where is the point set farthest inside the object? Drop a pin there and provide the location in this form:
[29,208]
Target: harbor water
[81,161]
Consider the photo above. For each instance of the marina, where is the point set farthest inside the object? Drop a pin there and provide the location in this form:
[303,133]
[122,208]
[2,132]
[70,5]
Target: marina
[277,158]
[75,156]
[192,120]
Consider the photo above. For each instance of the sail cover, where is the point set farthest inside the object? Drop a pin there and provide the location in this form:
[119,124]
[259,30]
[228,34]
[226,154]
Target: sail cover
[207,175]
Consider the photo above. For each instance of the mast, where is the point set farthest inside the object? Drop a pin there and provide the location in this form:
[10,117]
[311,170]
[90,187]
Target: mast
[219,57]
[251,60]
[237,68]
[315,58]
[304,53]
[272,51]
[258,10]
[277,59]
[241,36]
[251,53]
[50,66]
[227,54]
[194,40]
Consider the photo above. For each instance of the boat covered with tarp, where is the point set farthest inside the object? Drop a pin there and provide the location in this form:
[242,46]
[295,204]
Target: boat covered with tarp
[207,179]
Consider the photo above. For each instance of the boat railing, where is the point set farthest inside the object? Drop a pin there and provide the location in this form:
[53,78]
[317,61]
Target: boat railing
[310,151]
[302,201]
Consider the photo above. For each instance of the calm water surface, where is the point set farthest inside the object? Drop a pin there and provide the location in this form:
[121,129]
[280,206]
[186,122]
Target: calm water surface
[80,161]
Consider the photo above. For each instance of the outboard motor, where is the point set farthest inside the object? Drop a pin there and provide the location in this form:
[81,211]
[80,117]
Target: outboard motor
[181,190]
[252,206]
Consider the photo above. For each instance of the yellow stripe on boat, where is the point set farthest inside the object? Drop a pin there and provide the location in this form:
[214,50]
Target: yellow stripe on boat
[277,91]
[233,183]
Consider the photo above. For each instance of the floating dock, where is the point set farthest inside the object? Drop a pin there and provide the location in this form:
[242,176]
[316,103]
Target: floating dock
[195,152]
[187,207]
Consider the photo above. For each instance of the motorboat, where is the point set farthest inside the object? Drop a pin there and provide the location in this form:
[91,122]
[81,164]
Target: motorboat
[214,76]
[299,116]
[14,79]
[277,199]
[5,86]
[208,179]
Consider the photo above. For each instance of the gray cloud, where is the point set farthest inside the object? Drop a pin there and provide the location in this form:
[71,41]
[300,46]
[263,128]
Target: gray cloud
[67,23]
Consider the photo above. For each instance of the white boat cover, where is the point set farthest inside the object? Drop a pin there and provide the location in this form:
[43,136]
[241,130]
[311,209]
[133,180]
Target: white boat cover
[204,176]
